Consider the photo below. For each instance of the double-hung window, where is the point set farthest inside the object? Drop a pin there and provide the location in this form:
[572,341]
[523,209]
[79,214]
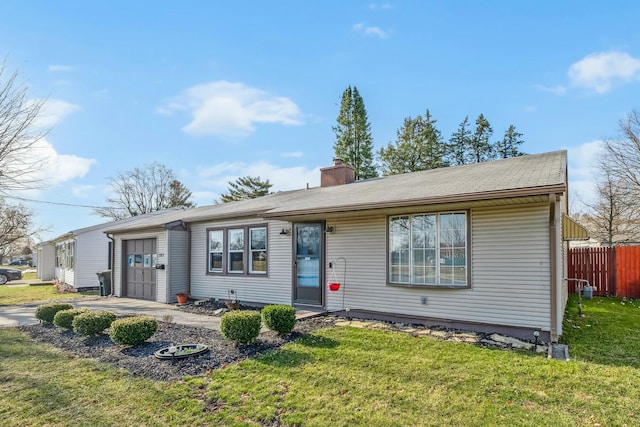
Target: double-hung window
[238,250]
[235,240]
[429,249]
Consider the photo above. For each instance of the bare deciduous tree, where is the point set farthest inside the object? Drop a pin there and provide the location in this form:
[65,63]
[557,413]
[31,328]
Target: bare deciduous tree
[16,228]
[18,162]
[144,189]
[622,154]
[614,217]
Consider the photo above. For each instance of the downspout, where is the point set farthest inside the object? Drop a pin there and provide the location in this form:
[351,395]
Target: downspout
[553,234]
[188,226]
[112,255]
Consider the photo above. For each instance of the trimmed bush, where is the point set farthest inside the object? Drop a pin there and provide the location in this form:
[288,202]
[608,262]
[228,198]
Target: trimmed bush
[47,312]
[93,322]
[279,317]
[64,318]
[133,330]
[241,326]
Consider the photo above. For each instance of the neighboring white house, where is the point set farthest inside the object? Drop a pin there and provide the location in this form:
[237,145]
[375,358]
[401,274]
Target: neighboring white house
[75,257]
[477,246]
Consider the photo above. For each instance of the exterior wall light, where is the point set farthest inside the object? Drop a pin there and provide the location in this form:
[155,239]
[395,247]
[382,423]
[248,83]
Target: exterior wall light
[285,232]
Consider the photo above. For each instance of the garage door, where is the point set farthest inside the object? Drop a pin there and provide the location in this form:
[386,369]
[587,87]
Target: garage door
[140,274]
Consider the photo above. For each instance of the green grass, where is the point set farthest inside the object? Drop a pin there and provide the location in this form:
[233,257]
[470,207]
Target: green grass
[29,294]
[41,385]
[346,376]
[607,333]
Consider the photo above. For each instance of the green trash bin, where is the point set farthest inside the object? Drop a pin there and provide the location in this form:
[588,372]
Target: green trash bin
[105,282]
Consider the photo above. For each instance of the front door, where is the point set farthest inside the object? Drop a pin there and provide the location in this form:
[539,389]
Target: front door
[307,263]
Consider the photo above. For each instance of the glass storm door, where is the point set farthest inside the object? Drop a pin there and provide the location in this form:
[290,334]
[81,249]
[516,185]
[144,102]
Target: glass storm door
[308,259]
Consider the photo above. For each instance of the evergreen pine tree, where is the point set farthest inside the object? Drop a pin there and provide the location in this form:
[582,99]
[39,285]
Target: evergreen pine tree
[246,187]
[459,144]
[509,145]
[481,149]
[354,143]
[418,146]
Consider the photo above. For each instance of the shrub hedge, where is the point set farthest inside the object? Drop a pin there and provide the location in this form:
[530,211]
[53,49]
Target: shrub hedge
[47,312]
[93,322]
[133,330]
[64,318]
[241,326]
[279,317]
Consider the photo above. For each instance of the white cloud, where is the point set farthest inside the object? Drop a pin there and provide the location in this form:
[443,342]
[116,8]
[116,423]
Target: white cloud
[583,171]
[360,27]
[217,177]
[293,154]
[57,68]
[56,168]
[53,112]
[231,109]
[557,90]
[599,72]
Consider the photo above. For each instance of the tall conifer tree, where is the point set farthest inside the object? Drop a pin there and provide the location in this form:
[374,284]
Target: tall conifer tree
[354,143]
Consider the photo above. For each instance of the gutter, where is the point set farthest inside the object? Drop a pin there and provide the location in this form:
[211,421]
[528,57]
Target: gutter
[466,197]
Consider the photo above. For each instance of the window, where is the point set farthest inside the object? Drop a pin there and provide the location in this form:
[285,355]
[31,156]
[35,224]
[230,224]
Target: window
[235,238]
[239,250]
[215,250]
[258,250]
[428,249]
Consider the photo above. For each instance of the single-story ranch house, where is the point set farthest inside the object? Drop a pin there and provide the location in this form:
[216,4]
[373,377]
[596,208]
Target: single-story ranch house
[479,246]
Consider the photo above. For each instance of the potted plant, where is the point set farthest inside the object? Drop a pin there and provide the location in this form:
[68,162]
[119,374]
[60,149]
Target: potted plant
[183,297]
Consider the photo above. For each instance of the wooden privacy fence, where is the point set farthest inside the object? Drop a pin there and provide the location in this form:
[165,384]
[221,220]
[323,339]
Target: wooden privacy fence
[613,271]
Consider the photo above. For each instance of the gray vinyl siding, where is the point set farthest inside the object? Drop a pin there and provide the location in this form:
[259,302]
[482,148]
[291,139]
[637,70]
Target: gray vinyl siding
[92,255]
[274,288]
[509,271]
[162,251]
[177,267]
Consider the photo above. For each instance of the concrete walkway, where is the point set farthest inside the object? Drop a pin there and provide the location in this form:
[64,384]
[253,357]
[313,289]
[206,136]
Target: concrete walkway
[25,314]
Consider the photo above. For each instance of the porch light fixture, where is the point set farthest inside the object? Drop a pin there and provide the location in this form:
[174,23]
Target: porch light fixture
[285,232]
[329,229]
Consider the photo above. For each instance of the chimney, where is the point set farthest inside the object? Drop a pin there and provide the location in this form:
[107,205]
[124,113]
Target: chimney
[338,174]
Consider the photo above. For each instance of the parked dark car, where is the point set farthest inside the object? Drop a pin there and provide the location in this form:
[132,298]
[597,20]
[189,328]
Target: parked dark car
[19,262]
[8,274]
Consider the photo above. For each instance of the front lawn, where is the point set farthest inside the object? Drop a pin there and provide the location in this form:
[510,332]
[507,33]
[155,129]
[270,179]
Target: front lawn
[607,333]
[12,295]
[340,376]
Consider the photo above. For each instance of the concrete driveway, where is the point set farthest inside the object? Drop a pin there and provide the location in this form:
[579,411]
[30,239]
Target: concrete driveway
[25,314]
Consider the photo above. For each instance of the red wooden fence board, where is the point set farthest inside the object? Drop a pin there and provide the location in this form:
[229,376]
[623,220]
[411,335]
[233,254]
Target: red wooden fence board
[597,265]
[628,271]
[613,271]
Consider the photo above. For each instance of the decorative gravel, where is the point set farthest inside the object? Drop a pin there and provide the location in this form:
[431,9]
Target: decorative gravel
[140,361]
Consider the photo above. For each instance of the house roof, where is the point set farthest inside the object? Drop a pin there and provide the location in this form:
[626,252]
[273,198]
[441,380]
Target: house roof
[532,175]
[111,224]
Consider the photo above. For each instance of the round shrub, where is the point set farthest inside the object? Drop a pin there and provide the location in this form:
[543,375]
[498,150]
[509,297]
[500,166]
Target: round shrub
[241,326]
[64,318]
[279,317]
[133,330]
[93,322]
[47,312]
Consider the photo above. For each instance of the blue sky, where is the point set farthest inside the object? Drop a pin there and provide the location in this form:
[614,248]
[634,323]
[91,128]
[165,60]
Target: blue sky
[217,90]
